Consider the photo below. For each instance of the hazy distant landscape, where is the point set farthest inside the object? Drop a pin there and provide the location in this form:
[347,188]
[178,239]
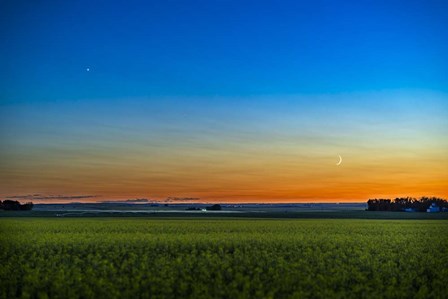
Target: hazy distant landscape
[183,207]
[197,210]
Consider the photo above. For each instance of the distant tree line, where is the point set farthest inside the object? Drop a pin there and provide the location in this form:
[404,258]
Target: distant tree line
[215,207]
[14,205]
[402,203]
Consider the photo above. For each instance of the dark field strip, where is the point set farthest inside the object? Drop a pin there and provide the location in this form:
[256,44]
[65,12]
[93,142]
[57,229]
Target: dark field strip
[348,214]
[222,258]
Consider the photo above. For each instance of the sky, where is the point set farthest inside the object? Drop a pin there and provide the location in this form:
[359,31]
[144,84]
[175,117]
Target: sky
[225,101]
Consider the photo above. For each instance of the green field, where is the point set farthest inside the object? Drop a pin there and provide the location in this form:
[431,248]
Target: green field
[222,258]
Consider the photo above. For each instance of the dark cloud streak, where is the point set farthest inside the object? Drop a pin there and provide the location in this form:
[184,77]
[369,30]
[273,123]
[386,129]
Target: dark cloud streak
[138,200]
[154,201]
[174,199]
[49,197]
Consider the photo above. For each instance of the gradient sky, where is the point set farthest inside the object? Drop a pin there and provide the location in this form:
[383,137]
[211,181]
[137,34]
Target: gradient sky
[229,101]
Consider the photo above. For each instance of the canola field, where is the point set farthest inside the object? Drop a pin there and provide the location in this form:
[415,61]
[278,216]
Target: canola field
[222,258]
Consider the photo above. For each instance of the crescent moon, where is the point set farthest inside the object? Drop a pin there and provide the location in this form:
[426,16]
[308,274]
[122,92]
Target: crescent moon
[340,160]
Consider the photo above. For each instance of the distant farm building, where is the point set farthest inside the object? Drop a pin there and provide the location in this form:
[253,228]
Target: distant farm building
[433,208]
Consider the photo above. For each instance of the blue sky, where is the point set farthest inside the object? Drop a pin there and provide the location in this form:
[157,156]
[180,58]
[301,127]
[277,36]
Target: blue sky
[222,48]
[196,81]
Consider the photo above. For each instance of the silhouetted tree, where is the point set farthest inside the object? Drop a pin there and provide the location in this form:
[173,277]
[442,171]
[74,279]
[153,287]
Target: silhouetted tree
[402,203]
[379,204]
[215,207]
[14,205]
[27,206]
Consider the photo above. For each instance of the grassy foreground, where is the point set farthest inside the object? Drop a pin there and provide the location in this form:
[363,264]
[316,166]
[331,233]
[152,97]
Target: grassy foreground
[222,258]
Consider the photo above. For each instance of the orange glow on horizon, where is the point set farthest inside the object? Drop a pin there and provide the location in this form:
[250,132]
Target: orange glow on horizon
[238,155]
[245,179]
